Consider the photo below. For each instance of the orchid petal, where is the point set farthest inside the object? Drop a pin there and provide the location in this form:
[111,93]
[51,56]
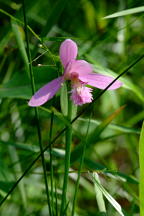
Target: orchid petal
[79,66]
[100,81]
[46,92]
[68,52]
[81,95]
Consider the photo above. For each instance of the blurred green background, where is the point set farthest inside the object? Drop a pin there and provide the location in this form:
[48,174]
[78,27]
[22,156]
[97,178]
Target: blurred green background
[111,45]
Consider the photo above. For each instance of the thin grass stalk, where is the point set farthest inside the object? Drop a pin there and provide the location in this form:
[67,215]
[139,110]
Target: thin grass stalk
[64,129]
[79,170]
[68,135]
[36,112]
[56,201]
[51,165]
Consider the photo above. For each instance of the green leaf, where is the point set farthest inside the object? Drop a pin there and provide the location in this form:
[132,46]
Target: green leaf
[94,136]
[141,162]
[99,195]
[82,123]
[93,165]
[32,148]
[6,186]
[19,86]
[58,114]
[121,176]
[126,12]
[20,22]
[19,34]
[64,99]
[4,41]
[111,200]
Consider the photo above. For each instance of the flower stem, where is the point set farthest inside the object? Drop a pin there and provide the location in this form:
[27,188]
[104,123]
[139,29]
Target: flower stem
[79,171]
[67,158]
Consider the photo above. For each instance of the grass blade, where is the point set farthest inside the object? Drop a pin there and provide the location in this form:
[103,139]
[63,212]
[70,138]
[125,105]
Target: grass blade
[126,12]
[20,22]
[141,162]
[19,37]
[64,99]
[93,138]
[99,196]
[112,201]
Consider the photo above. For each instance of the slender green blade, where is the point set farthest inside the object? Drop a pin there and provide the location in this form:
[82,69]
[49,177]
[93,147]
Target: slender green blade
[19,34]
[94,137]
[64,99]
[126,12]
[93,165]
[99,195]
[141,162]
[20,22]
[111,200]
[115,127]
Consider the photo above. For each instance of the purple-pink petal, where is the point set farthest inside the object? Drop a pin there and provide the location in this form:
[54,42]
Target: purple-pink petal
[46,92]
[68,52]
[81,95]
[100,81]
[81,67]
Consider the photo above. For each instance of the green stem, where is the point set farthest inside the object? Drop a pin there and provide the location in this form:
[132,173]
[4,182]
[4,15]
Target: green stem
[36,111]
[56,201]
[141,164]
[79,171]
[51,159]
[67,158]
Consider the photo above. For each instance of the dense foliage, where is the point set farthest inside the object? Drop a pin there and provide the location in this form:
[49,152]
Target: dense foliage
[110,126]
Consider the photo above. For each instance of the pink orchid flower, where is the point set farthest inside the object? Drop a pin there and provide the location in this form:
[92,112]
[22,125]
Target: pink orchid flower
[79,72]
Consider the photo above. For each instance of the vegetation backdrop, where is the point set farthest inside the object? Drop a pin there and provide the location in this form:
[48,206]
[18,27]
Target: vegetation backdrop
[30,37]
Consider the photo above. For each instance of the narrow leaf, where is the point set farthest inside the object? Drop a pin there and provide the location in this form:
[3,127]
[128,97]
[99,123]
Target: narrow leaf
[126,12]
[20,22]
[64,99]
[112,201]
[19,34]
[141,162]
[94,137]
[99,195]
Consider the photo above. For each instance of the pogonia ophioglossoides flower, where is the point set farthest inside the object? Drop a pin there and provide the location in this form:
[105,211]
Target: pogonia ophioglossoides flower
[79,72]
